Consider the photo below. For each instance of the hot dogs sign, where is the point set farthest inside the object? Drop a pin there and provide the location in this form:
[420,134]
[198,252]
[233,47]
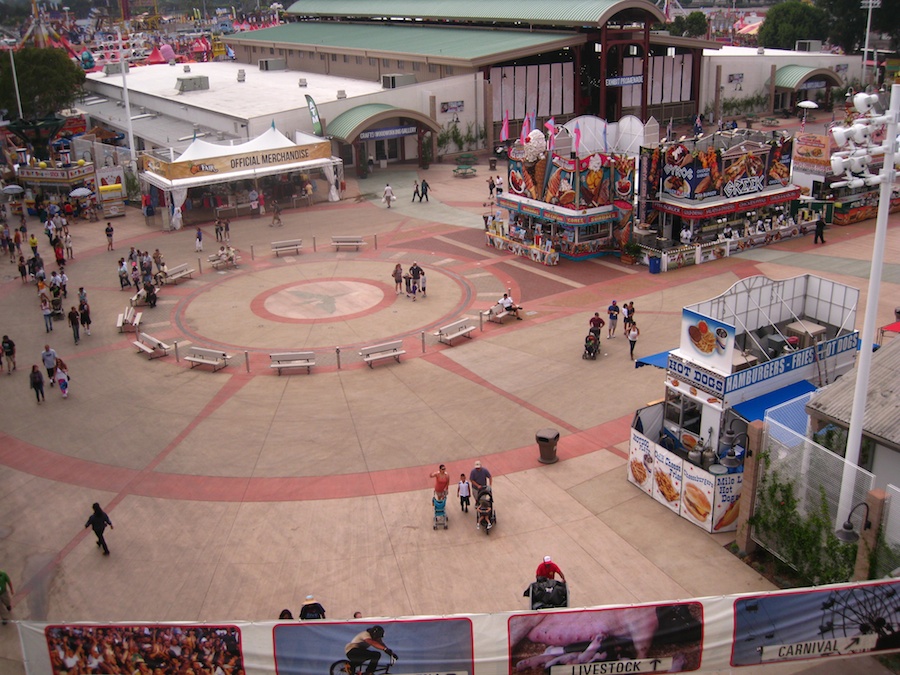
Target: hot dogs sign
[744,169]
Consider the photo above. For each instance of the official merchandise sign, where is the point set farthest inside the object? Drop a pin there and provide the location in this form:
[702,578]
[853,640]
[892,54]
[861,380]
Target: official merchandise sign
[234,163]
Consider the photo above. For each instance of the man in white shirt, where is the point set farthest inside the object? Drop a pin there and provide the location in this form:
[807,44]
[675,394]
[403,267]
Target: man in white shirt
[507,303]
[686,235]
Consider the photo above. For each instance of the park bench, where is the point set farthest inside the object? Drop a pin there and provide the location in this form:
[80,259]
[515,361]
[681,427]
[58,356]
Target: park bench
[464,171]
[218,262]
[151,346]
[129,320]
[139,299]
[197,356]
[347,242]
[293,360]
[456,329]
[287,245]
[179,272]
[386,350]
[497,313]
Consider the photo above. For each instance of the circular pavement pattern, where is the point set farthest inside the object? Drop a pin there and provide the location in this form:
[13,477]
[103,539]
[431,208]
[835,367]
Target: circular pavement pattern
[320,300]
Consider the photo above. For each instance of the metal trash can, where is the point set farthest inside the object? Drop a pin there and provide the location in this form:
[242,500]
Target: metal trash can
[492,161]
[655,264]
[547,440]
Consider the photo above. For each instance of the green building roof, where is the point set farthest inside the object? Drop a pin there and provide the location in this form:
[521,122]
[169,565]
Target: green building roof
[471,45]
[573,13]
[791,77]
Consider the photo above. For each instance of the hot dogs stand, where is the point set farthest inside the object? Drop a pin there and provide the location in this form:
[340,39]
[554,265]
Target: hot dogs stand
[759,344]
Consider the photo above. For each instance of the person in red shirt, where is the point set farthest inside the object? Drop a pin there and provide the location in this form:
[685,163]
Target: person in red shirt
[441,481]
[548,569]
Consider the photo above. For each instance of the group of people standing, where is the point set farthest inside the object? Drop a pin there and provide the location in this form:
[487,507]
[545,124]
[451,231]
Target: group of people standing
[414,278]
[632,332]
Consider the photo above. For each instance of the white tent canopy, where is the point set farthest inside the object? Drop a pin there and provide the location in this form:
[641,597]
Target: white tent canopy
[272,139]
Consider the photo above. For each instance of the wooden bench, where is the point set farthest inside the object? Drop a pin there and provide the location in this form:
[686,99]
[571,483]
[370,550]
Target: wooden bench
[346,242]
[125,318]
[293,360]
[137,300]
[218,262]
[497,313]
[287,245]
[179,272]
[460,328]
[465,171]
[386,350]
[150,345]
[197,356]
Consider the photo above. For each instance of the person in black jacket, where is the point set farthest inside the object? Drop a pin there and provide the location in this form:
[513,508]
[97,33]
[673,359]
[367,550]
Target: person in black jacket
[311,609]
[98,521]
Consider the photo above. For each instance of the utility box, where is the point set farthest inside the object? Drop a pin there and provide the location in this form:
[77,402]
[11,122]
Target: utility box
[397,80]
[192,83]
[272,64]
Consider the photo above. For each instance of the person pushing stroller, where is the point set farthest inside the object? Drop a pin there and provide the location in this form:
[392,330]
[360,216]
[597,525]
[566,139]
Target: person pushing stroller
[480,478]
[592,340]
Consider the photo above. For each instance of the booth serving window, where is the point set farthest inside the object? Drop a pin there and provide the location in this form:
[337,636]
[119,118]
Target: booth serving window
[682,412]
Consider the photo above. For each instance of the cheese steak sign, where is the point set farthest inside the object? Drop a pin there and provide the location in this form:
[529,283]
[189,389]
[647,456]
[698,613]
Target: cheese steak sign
[260,159]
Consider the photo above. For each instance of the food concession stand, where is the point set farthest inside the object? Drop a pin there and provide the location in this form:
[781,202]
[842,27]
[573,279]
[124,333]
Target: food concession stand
[759,344]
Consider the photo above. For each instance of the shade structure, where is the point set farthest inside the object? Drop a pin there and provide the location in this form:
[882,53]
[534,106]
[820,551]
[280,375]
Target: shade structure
[80,192]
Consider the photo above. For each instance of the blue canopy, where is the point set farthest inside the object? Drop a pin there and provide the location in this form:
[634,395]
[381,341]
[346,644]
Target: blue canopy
[660,360]
[755,408]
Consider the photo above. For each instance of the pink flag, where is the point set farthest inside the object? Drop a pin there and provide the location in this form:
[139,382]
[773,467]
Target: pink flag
[577,134]
[504,130]
[551,127]
[526,129]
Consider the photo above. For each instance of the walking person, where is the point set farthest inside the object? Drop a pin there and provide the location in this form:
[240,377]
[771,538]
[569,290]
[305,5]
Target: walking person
[36,382]
[109,237]
[423,190]
[47,311]
[416,192]
[75,323]
[441,481]
[633,333]
[498,185]
[98,522]
[226,230]
[67,241]
[613,313]
[62,377]
[9,351]
[422,283]
[6,593]
[463,491]
[820,231]
[397,275]
[48,358]
[276,213]
[490,182]
[84,310]
[198,242]
[388,195]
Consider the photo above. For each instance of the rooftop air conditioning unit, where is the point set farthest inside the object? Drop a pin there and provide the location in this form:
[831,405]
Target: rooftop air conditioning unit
[397,80]
[114,68]
[241,75]
[341,94]
[192,83]
[272,64]
[187,69]
[302,82]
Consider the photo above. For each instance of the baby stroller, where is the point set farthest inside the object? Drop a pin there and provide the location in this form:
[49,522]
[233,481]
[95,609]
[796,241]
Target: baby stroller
[591,346]
[56,306]
[546,593]
[485,513]
[440,510]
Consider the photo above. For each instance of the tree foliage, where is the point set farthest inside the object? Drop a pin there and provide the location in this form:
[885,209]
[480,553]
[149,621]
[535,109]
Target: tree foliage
[692,25]
[790,21]
[48,82]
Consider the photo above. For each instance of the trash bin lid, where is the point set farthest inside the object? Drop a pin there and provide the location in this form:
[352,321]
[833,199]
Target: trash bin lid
[547,435]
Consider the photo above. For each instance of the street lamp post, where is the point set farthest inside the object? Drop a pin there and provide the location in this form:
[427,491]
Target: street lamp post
[868,5]
[854,163]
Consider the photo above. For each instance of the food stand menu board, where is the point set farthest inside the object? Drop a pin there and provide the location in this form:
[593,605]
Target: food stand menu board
[727,505]
[640,462]
[668,470]
[697,496]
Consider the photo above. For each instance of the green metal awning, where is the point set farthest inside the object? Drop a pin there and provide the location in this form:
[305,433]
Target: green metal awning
[574,13]
[350,123]
[791,77]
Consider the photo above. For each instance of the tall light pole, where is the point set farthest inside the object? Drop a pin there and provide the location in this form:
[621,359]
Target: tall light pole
[868,5]
[123,64]
[885,178]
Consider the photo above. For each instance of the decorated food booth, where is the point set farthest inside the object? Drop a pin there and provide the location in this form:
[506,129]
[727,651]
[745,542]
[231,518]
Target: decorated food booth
[227,180]
[569,199]
[709,197]
[759,344]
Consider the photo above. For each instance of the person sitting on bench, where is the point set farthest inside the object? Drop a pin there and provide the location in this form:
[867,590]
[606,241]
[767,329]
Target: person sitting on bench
[507,303]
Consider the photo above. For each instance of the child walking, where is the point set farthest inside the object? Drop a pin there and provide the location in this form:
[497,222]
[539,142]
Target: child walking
[463,490]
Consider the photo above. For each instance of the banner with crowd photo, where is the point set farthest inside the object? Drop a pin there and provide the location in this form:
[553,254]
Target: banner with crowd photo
[703,635]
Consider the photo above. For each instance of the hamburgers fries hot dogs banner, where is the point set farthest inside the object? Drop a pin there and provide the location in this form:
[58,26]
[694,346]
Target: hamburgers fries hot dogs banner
[745,168]
[703,635]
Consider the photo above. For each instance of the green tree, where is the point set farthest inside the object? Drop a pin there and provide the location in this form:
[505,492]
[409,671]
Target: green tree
[692,25]
[790,21]
[48,82]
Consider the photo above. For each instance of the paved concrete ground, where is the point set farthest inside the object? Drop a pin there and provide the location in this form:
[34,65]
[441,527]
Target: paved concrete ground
[237,493]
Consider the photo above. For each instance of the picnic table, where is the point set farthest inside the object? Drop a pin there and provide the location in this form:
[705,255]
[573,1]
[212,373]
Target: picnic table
[464,171]
[770,122]
[466,159]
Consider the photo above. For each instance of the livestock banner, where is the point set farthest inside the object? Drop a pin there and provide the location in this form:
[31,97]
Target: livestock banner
[708,634]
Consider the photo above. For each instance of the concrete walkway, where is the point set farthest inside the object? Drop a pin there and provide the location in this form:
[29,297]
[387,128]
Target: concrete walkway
[236,494]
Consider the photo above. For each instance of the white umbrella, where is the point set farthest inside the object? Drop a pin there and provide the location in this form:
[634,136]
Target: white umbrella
[80,192]
[809,105]
[13,190]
